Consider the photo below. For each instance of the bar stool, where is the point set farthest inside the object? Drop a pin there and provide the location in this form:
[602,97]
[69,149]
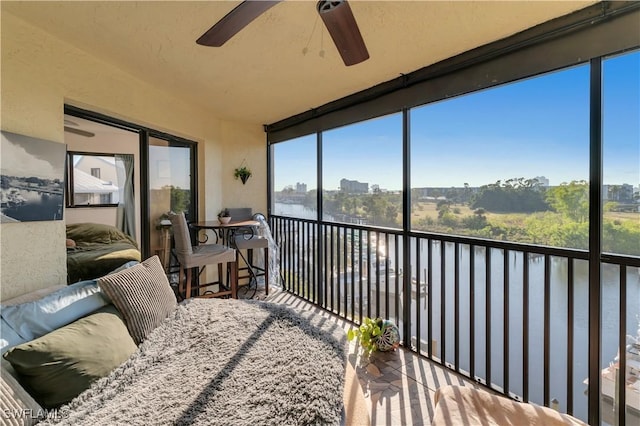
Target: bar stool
[248,241]
[191,257]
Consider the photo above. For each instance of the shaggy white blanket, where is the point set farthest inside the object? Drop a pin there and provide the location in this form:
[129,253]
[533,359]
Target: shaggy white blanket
[223,362]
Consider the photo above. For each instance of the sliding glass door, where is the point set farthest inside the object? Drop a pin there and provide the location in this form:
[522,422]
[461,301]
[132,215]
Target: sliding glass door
[171,183]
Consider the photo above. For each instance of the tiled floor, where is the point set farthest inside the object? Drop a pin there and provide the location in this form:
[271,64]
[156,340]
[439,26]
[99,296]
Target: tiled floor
[398,386]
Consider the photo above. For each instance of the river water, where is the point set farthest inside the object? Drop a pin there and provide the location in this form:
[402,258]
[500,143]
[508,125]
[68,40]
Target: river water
[558,303]
[37,206]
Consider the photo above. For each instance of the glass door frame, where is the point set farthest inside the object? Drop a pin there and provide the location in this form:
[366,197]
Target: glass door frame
[145,206]
[145,133]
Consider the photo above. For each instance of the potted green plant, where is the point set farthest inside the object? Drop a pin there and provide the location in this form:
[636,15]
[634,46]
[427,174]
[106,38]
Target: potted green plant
[243,173]
[224,216]
[376,335]
[367,333]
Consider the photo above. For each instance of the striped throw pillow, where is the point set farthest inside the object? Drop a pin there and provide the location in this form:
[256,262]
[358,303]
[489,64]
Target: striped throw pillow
[17,407]
[143,296]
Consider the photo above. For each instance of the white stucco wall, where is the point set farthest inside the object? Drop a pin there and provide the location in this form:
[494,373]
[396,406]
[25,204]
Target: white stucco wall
[39,74]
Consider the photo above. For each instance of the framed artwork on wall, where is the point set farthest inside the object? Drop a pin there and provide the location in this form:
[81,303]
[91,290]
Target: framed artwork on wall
[32,173]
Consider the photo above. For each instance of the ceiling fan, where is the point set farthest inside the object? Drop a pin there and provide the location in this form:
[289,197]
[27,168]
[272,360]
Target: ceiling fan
[336,15]
[68,128]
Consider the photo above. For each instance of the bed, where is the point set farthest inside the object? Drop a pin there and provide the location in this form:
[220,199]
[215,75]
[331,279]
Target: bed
[95,249]
[203,361]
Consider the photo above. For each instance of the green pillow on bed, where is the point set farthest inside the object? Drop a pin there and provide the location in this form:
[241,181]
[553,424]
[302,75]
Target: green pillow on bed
[58,366]
[96,233]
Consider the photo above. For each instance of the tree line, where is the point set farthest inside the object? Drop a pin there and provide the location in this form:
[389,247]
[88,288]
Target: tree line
[556,216]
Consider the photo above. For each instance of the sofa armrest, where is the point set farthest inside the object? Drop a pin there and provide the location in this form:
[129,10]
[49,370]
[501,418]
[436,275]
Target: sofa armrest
[461,405]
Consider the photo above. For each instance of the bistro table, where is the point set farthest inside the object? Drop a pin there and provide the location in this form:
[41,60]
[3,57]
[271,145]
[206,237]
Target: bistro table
[225,232]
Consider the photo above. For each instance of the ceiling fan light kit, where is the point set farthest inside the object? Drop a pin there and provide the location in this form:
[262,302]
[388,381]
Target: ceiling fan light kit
[336,16]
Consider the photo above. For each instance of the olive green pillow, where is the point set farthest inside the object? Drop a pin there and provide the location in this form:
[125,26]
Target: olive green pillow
[58,366]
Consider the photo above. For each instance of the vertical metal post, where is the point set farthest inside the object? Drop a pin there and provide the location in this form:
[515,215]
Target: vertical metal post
[396,245]
[570,335]
[472,312]
[332,255]
[345,263]
[360,266]
[320,239]
[456,306]
[525,326]
[620,402]
[505,322]
[387,264]
[443,302]
[418,321]
[310,262]
[269,177]
[595,239]
[303,250]
[369,274]
[281,238]
[406,222]
[430,296]
[145,202]
[289,236]
[547,332]
[298,248]
[326,269]
[487,323]
[353,275]
[377,274]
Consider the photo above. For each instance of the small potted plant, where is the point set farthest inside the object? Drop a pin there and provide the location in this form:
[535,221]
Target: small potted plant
[376,335]
[224,216]
[243,173]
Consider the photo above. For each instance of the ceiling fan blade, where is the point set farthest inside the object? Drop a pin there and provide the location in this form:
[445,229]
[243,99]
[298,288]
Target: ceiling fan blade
[234,21]
[341,24]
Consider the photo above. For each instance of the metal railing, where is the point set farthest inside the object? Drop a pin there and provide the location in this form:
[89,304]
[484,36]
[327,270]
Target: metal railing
[510,316]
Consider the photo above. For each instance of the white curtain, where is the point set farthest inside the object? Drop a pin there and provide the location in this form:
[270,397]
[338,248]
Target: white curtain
[126,214]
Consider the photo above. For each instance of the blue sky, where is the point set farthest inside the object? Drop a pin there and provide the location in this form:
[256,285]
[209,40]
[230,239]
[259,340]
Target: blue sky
[535,127]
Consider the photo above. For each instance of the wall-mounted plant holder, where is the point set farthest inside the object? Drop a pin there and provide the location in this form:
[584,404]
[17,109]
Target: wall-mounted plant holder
[243,173]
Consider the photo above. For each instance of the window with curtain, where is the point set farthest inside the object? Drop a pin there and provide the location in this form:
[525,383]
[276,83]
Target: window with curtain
[126,214]
[93,180]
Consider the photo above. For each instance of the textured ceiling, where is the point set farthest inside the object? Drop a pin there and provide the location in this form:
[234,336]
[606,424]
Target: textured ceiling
[261,75]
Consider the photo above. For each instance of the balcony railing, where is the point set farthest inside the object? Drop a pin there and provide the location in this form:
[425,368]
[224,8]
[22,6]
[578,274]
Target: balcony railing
[513,317]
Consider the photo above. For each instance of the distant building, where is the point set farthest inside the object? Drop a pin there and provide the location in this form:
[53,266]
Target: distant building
[88,189]
[543,181]
[618,193]
[301,187]
[95,180]
[101,167]
[433,193]
[353,186]
[626,192]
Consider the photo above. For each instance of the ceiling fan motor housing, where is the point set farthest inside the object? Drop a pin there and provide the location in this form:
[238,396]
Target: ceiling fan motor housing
[336,16]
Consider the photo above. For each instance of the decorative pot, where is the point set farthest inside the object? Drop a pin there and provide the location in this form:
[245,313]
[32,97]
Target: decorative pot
[224,219]
[389,339]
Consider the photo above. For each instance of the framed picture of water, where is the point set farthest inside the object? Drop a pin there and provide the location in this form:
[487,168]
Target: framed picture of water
[32,175]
